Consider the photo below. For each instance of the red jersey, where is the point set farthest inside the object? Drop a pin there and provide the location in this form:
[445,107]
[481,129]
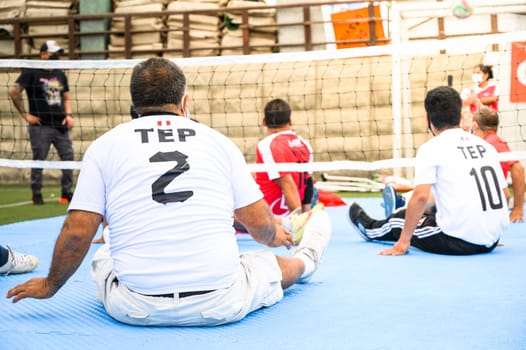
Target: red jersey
[501,146]
[282,147]
[488,91]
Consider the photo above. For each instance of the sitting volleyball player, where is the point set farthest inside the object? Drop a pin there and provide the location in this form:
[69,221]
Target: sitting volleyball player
[485,124]
[463,173]
[168,187]
[284,191]
[288,193]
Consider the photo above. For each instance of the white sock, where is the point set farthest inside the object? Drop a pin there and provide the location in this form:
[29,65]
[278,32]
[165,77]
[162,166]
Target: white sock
[310,266]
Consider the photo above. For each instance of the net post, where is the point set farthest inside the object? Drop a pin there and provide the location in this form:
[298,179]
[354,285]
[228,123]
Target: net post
[396,99]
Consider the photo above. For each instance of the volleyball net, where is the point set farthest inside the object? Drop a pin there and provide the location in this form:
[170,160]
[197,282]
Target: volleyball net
[360,108]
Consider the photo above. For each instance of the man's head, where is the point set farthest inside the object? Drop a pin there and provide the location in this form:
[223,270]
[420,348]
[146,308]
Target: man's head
[50,50]
[277,113]
[443,107]
[485,120]
[158,84]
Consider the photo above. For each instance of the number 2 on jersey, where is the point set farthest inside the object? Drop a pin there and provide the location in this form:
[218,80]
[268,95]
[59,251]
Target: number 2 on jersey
[484,179]
[159,185]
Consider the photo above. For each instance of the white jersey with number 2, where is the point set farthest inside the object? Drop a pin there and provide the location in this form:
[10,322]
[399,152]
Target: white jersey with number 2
[467,184]
[168,187]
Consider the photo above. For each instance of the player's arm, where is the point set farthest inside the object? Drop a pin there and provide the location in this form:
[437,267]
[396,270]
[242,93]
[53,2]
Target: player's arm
[66,100]
[488,100]
[290,192]
[415,208]
[517,183]
[15,93]
[262,225]
[71,247]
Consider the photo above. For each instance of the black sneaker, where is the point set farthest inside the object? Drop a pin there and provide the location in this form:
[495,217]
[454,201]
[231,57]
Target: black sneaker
[37,199]
[359,218]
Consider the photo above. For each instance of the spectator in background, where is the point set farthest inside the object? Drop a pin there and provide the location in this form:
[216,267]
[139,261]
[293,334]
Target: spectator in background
[284,191]
[483,93]
[49,118]
[12,262]
[485,125]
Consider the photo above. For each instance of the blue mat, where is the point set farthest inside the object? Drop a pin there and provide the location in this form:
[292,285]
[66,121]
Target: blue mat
[356,300]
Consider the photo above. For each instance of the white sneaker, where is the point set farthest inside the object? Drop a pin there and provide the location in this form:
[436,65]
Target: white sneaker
[316,236]
[296,221]
[18,263]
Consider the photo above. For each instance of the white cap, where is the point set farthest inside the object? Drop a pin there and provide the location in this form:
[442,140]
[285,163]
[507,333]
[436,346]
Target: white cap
[51,46]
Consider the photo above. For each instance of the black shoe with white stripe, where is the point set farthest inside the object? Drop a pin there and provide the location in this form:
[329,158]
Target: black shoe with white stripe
[359,218]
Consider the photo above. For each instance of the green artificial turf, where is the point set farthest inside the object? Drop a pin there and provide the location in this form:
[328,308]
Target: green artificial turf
[16,205]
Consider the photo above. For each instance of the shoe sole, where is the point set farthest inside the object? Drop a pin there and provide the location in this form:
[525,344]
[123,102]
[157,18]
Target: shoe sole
[298,236]
[389,198]
[319,221]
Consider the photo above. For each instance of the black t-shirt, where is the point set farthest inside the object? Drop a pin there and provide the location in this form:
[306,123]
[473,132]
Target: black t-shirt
[45,89]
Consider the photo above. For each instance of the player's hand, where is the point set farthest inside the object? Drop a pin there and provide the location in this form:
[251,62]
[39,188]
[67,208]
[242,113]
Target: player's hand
[31,119]
[398,248]
[68,121]
[516,215]
[283,238]
[37,288]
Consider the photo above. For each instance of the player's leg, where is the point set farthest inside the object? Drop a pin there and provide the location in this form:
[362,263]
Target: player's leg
[381,230]
[308,255]
[64,147]
[430,238]
[392,200]
[39,138]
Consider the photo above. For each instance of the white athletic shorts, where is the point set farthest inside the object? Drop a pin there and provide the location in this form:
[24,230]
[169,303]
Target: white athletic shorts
[258,285]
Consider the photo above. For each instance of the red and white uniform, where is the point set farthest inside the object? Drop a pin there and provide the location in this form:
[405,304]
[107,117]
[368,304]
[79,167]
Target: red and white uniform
[501,146]
[282,147]
[487,91]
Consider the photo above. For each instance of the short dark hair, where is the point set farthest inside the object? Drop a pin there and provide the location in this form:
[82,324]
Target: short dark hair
[156,82]
[486,69]
[486,118]
[277,113]
[443,107]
